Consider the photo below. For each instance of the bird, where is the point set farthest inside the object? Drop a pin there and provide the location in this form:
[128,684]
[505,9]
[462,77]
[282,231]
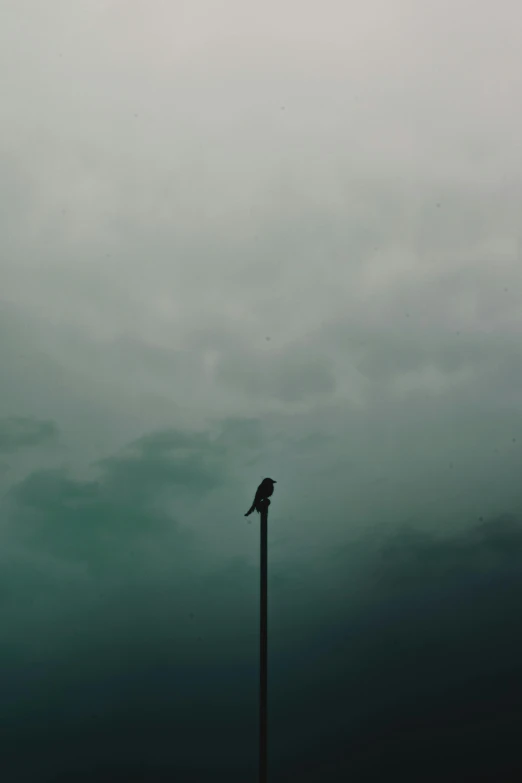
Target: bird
[263,492]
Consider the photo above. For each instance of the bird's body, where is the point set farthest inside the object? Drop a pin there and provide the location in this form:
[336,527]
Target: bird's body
[263,492]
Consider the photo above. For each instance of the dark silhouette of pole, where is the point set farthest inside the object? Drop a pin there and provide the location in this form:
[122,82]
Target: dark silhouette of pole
[261,503]
[263,646]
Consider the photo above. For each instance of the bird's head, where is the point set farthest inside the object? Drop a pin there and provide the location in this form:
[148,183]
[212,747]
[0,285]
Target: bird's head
[269,481]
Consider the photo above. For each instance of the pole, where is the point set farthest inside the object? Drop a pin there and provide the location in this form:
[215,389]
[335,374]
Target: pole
[263,648]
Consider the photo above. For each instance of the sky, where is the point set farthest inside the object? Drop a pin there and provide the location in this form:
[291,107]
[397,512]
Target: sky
[242,240]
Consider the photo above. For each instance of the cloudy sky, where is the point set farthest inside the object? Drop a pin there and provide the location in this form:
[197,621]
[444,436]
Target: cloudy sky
[241,240]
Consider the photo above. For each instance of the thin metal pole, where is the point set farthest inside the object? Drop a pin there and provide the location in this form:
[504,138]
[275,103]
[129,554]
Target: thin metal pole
[263,648]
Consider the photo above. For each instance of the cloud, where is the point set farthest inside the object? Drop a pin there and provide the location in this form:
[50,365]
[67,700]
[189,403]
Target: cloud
[106,564]
[421,560]
[416,658]
[386,630]
[104,521]
[184,461]
[18,432]
[289,376]
[348,187]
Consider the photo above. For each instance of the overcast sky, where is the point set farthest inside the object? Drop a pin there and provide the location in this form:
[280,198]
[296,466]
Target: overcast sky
[240,240]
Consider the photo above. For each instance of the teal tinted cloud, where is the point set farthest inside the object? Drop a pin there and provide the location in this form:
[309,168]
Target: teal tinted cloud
[104,521]
[19,432]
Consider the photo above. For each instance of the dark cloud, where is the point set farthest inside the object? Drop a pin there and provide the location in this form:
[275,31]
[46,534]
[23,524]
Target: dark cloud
[190,461]
[392,655]
[103,521]
[421,678]
[18,432]
[421,559]
[96,578]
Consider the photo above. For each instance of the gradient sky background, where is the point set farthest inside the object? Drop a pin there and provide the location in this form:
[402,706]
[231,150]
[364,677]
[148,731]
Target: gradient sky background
[244,239]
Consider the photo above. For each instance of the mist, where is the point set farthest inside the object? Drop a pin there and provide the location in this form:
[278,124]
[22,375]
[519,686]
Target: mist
[242,240]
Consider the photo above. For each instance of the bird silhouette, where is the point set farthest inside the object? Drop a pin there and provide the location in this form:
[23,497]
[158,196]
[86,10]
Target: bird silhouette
[263,492]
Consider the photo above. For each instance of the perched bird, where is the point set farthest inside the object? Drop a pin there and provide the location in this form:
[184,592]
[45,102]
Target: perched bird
[263,492]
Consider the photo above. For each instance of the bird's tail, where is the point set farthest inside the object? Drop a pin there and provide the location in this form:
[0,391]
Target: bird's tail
[251,509]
